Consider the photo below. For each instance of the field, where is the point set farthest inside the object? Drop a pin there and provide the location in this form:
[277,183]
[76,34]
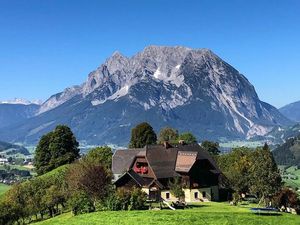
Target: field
[3,188]
[295,172]
[205,213]
[228,146]
[16,167]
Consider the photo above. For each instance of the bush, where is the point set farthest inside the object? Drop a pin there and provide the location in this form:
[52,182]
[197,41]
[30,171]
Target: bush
[81,203]
[287,198]
[236,198]
[137,199]
[124,199]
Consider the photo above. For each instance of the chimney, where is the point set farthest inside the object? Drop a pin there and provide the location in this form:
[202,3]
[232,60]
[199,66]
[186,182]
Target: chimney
[167,145]
[181,142]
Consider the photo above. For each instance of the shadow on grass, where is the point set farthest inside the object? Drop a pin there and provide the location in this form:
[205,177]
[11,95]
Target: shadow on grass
[267,215]
[196,206]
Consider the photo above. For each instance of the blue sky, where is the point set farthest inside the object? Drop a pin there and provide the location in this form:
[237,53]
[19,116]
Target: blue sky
[48,45]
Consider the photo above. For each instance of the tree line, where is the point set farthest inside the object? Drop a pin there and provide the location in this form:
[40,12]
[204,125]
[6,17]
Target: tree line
[82,184]
[66,181]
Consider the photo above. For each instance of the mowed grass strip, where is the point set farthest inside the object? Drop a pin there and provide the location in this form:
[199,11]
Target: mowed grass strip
[4,188]
[205,213]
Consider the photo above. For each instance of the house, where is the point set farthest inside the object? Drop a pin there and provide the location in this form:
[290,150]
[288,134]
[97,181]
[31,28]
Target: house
[153,167]
[3,161]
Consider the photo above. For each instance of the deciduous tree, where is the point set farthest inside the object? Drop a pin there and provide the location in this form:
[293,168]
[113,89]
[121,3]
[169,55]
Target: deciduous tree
[188,138]
[211,147]
[168,134]
[141,135]
[100,156]
[89,178]
[56,148]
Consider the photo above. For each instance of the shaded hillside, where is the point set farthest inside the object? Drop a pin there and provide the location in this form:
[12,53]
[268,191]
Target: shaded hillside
[291,111]
[15,113]
[11,149]
[280,134]
[288,153]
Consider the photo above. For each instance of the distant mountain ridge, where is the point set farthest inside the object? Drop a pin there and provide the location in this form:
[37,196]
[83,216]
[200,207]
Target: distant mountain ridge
[12,113]
[292,111]
[11,149]
[189,89]
[21,101]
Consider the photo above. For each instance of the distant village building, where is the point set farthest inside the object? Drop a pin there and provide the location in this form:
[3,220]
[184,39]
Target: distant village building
[3,161]
[154,166]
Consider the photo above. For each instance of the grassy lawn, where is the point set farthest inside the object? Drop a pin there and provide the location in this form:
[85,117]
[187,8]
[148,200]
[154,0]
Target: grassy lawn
[205,213]
[293,183]
[3,188]
[19,167]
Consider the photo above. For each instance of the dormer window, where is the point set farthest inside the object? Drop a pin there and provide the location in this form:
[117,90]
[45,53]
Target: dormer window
[141,168]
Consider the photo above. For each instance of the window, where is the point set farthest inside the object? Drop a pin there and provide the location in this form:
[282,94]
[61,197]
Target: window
[167,195]
[141,168]
[196,195]
[204,194]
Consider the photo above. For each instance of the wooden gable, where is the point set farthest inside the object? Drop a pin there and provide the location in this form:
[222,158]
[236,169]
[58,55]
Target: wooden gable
[142,167]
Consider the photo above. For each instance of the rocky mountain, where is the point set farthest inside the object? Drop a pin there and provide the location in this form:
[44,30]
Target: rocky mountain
[15,112]
[280,134]
[190,89]
[291,111]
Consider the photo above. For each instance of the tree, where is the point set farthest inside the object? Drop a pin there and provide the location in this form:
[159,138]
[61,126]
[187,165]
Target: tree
[56,148]
[188,138]
[81,203]
[286,198]
[89,178]
[167,134]
[42,154]
[236,167]
[251,171]
[16,198]
[211,147]
[100,156]
[33,197]
[266,179]
[176,188]
[141,135]
[9,213]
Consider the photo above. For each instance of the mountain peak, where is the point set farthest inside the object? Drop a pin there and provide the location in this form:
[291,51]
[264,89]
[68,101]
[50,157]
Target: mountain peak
[165,85]
[117,54]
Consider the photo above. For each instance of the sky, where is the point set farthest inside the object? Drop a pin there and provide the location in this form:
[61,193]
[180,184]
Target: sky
[48,45]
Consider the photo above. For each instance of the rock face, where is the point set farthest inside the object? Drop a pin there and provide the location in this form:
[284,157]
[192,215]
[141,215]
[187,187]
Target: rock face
[292,111]
[189,89]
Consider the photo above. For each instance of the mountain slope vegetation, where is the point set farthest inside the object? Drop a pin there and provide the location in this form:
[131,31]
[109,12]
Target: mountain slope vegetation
[288,153]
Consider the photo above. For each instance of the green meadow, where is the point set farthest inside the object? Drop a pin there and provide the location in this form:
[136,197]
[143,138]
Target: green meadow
[204,213]
[3,188]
